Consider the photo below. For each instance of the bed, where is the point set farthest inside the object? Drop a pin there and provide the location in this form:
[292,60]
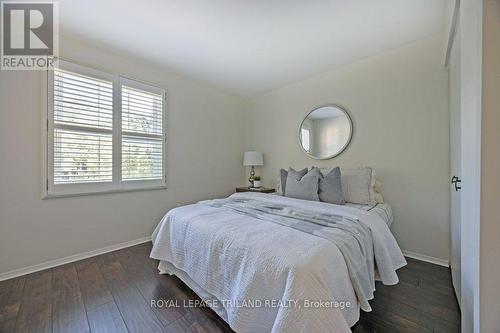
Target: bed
[383,210]
[261,276]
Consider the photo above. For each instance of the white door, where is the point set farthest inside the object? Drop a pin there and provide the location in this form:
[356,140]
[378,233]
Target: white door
[455,163]
[471,25]
[465,69]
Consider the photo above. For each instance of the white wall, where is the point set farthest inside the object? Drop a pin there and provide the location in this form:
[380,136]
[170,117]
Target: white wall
[490,166]
[398,101]
[204,161]
[399,104]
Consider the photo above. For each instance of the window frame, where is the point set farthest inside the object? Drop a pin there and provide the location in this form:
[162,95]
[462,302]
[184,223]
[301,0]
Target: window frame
[140,184]
[49,189]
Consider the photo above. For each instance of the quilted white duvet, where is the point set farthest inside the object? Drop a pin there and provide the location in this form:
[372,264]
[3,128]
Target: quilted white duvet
[265,277]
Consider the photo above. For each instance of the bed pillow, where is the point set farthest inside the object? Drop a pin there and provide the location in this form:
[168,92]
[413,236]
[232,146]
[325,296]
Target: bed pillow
[284,175]
[377,195]
[357,185]
[378,198]
[330,187]
[375,187]
[305,187]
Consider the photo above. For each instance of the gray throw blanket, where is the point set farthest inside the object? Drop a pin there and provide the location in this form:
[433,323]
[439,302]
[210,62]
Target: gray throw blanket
[353,238]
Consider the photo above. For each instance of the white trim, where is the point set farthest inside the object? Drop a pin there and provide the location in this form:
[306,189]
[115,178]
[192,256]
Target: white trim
[158,183]
[140,85]
[49,149]
[58,190]
[122,190]
[117,132]
[58,262]
[165,141]
[83,129]
[44,135]
[143,184]
[85,70]
[452,32]
[423,257]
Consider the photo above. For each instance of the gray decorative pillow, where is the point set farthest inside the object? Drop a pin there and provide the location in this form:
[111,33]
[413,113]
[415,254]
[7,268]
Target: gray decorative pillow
[330,188]
[284,174]
[305,188]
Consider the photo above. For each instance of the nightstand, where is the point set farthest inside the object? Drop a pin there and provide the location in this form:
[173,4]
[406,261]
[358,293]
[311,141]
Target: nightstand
[255,189]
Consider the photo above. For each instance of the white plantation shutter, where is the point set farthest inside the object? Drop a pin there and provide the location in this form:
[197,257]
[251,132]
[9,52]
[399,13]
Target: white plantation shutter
[142,133]
[141,111]
[82,100]
[82,157]
[83,122]
[104,132]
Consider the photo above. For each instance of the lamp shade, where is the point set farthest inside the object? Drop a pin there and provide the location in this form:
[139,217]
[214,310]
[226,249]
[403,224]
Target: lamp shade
[253,158]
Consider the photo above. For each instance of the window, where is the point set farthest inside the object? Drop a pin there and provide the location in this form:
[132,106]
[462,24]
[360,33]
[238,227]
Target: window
[142,134]
[305,138]
[104,132]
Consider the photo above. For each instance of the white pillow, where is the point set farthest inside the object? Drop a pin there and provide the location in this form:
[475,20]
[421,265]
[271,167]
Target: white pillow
[279,189]
[357,185]
[363,180]
[377,196]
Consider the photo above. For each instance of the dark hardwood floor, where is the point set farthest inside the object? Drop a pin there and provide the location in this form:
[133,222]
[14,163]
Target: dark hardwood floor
[113,292]
[422,301]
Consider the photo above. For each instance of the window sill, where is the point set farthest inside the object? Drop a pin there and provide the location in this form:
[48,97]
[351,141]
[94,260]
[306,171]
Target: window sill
[66,195]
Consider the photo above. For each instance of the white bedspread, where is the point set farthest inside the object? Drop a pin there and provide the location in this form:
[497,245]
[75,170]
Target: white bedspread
[241,260]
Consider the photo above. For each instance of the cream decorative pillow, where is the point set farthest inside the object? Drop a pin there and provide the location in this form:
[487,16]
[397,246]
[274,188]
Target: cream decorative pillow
[378,198]
[374,190]
[377,185]
[357,185]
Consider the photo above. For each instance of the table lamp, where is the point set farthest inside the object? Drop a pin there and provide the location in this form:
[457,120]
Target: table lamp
[252,159]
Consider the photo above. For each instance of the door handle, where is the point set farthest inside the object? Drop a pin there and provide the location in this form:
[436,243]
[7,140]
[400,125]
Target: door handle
[457,182]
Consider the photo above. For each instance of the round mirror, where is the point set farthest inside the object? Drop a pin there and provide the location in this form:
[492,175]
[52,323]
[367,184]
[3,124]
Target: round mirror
[325,132]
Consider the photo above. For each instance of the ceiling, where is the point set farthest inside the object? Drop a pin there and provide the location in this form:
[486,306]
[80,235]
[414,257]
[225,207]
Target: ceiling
[247,47]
